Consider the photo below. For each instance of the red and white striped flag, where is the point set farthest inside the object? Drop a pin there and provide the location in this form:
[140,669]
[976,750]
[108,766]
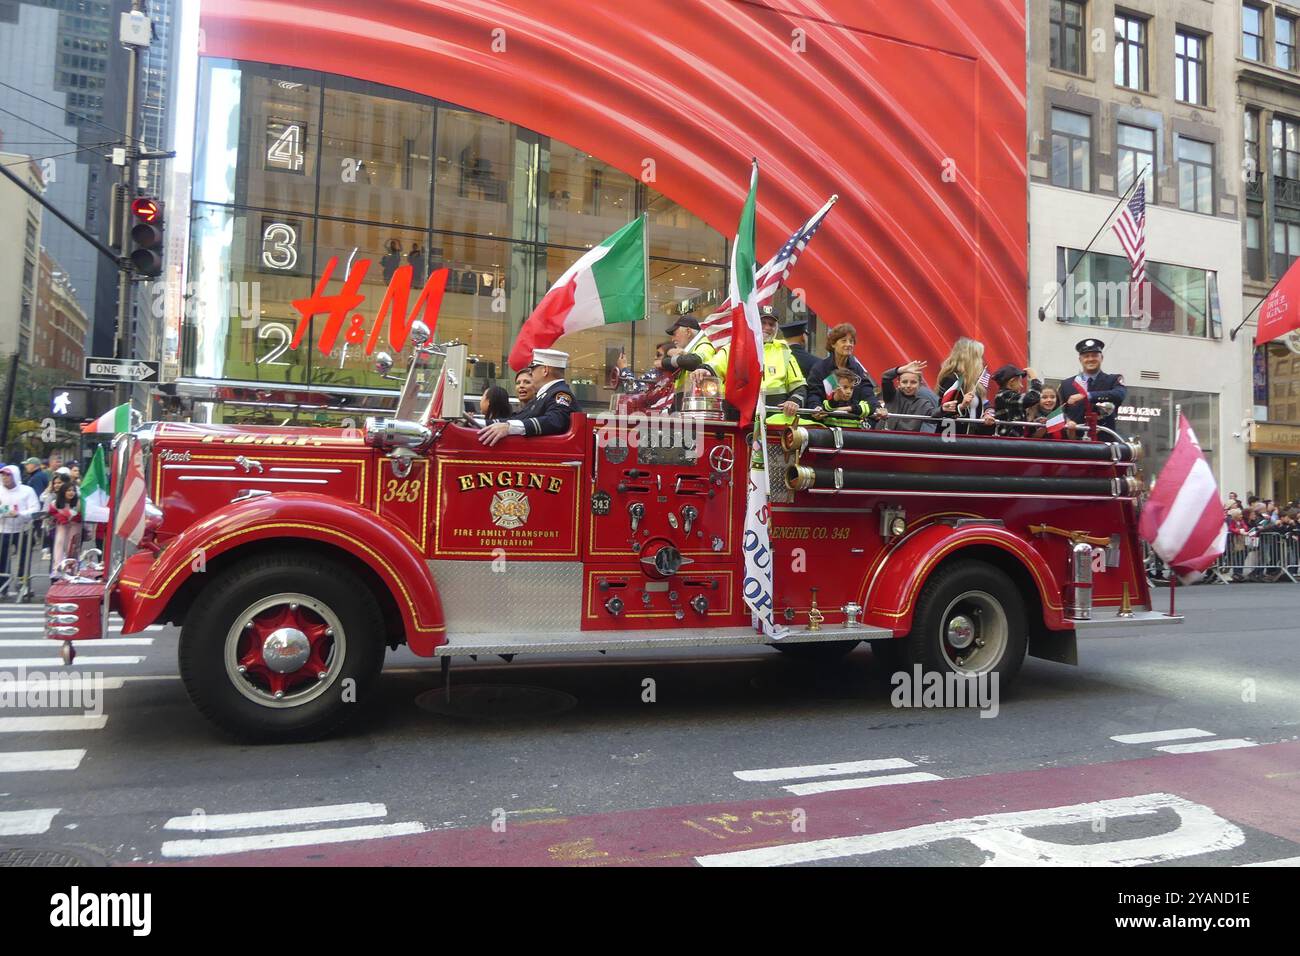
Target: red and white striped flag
[717,326]
[1131,228]
[131,525]
[1182,519]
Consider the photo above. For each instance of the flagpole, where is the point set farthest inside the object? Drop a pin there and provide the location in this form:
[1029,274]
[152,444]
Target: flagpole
[1042,309]
[1232,336]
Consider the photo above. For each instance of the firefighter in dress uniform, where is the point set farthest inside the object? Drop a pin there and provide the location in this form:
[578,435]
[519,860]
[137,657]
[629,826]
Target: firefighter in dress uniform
[796,336]
[1099,386]
[783,381]
[551,407]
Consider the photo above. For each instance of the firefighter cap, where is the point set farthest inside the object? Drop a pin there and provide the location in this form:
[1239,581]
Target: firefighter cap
[768,312]
[1089,345]
[685,322]
[551,358]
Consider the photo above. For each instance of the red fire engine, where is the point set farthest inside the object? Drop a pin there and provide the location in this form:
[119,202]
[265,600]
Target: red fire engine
[291,558]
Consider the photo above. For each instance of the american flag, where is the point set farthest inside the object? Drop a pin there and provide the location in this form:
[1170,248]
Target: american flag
[768,279]
[1131,228]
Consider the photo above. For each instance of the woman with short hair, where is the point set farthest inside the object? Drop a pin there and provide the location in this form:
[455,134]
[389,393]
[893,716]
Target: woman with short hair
[840,343]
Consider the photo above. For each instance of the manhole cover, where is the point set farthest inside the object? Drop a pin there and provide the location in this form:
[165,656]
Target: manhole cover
[496,701]
[46,856]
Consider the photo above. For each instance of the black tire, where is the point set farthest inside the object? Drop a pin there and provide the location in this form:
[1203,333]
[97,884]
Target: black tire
[977,587]
[818,653]
[327,704]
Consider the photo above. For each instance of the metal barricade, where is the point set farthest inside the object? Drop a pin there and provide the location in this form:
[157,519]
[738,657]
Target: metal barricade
[17,553]
[1265,556]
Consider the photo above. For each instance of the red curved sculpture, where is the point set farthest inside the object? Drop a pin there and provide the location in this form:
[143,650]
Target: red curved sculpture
[913,111]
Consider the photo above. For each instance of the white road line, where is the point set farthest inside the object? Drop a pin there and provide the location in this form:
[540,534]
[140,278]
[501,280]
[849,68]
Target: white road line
[859,783]
[30,725]
[102,642]
[1205,745]
[824,769]
[81,661]
[25,760]
[25,822]
[300,816]
[1186,733]
[62,682]
[1289,861]
[272,841]
[38,627]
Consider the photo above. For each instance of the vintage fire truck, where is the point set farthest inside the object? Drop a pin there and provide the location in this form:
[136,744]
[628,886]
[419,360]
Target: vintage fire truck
[293,558]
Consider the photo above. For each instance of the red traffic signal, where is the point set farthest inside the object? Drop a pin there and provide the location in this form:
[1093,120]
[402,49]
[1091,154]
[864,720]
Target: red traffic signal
[146,210]
[147,236]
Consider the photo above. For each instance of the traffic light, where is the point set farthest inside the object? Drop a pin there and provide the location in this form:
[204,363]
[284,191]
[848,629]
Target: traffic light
[146,236]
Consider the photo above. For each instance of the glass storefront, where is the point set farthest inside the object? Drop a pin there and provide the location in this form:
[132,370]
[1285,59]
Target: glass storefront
[1151,415]
[296,169]
[1182,300]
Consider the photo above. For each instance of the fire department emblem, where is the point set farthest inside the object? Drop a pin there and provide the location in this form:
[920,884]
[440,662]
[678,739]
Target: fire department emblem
[509,509]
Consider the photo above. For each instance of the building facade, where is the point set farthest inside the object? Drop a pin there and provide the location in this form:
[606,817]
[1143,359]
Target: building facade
[501,145]
[1118,92]
[20,250]
[1268,89]
[60,326]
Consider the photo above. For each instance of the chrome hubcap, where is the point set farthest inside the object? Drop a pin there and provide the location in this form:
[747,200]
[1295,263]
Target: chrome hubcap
[975,632]
[286,649]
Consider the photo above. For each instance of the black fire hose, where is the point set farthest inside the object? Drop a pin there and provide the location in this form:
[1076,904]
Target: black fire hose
[830,440]
[804,478]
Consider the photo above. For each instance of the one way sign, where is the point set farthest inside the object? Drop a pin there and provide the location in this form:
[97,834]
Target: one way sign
[120,370]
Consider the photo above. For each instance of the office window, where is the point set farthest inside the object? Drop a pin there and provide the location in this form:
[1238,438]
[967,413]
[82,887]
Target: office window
[1071,150]
[1286,148]
[1182,300]
[1250,153]
[1067,35]
[1254,248]
[1195,176]
[1130,51]
[1189,67]
[1286,245]
[1252,33]
[1284,42]
[1137,154]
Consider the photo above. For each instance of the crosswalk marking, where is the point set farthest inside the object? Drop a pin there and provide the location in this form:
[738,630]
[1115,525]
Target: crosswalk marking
[64,681]
[824,769]
[299,816]
[30,725]
[1207,745]
[102,642]
[1154,736]
[272,841]
[36,760]
[1288,861]
[26,822]
[38,627]
[856,783]
[81,661]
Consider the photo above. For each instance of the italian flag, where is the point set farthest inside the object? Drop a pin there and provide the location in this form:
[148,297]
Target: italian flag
[112,422]
[745,363]
[94,490]
[605,286]
[1056,422]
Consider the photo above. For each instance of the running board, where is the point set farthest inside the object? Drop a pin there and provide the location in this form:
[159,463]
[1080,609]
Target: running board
[1138,619]
[570,642]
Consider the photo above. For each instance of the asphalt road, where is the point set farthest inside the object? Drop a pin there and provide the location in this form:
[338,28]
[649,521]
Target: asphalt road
[738,759]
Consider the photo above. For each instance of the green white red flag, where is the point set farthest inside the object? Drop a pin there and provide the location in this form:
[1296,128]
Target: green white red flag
[1056,422]
[605,286]
[112,422]
[745,362]
[94,490]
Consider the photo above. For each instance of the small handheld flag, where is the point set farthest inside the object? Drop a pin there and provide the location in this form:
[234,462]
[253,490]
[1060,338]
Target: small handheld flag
[1056,422]
[830,383]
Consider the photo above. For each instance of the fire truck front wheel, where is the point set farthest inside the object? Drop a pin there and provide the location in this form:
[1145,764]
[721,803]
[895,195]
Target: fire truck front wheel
[970,620]
[282,648]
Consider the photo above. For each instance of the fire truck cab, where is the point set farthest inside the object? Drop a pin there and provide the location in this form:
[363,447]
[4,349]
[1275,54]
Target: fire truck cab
[293,558]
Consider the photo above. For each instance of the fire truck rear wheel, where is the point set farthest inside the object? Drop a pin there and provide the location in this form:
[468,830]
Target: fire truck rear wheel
[282,648]
[970,620]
